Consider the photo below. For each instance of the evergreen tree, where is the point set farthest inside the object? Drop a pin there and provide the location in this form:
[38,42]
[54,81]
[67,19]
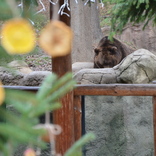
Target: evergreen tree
[22,124]
[131,11]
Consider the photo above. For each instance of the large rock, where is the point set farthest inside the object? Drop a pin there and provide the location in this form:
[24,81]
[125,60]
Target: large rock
[96,76]
[12,77]
[20,66]
[34,78]
[137,67]
[81,65]
[17,73]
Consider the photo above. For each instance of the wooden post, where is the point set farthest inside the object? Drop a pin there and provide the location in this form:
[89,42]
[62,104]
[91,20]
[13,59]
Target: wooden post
[64,116]
[154,123]
[77,117]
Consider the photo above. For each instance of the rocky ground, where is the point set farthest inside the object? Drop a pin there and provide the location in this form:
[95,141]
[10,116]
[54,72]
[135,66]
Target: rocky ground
[39,62]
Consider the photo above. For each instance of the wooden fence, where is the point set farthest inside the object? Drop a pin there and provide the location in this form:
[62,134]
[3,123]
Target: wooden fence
[67,138]
[111,90]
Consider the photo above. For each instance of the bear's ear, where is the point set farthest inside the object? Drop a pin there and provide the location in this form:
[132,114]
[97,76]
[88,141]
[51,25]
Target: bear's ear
[96,51]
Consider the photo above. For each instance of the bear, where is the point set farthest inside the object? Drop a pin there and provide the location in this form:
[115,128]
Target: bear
[110,53]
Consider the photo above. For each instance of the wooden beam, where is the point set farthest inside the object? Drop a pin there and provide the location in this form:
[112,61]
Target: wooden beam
[64,116]
[117,89]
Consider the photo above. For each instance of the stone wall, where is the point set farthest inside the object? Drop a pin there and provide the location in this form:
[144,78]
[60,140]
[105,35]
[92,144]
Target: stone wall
[123,125]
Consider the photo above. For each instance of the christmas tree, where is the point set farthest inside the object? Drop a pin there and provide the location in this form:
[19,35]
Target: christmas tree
[22,126]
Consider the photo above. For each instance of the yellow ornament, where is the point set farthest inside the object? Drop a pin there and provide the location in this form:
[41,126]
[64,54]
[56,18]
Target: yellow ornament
[56,39]
[2,93]
[18,36]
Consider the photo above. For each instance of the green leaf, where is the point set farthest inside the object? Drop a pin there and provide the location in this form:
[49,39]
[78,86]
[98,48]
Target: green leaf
[5,12]
[60,82]
[15,133]
[46,86]
[30,2]
[4,57]
[75,150]
[61,91]
[42,108]
[21,121]
[21,96]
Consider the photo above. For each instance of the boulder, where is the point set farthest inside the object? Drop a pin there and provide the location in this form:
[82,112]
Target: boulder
[138,67]
[35,78]
[20,65]
[11,77]
[81,65]
[96,76]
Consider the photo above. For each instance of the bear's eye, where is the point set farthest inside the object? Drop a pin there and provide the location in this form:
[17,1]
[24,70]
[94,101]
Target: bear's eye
[96,51]
[112,50]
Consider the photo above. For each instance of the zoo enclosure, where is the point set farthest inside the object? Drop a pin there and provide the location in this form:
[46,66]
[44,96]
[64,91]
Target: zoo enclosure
[99,89]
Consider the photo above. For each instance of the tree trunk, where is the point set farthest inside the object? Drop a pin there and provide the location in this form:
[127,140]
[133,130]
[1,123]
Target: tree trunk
[87,31]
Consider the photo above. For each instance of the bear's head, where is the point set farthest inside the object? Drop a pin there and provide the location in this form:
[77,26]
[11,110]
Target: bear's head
[108,53]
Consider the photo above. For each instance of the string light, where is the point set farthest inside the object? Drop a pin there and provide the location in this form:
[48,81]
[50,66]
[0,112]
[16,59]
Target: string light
[63,6]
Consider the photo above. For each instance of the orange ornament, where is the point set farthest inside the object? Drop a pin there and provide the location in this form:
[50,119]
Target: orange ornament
[56,39]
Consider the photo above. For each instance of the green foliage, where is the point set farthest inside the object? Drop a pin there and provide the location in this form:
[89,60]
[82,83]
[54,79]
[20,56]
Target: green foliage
[105,22]
[40,21]
[6,12]
[75,150]
[135,11]
[17,126]
[105,15]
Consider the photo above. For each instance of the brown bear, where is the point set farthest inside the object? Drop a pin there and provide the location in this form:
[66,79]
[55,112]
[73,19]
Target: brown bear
[110,53]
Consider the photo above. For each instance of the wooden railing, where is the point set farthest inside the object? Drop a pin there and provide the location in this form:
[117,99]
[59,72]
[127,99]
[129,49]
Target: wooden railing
[112,90]
[101,89]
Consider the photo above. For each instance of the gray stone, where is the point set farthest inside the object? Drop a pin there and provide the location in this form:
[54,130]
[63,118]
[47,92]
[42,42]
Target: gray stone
[137,67]
[20,66]
[10,77]
[96,76]
[81,65]
[34,78]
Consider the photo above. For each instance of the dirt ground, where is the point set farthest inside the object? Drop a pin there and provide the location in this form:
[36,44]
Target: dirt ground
[39,62]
